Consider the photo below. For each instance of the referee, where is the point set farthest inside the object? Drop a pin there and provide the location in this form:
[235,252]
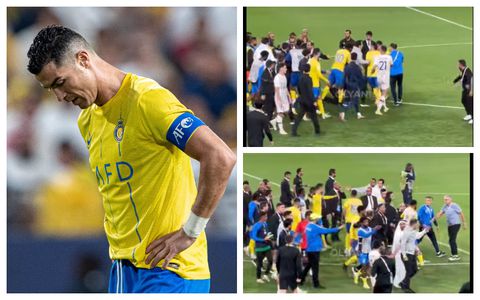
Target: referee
[289,267]
[455,217]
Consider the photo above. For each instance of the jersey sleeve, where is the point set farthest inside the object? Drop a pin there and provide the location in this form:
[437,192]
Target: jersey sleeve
[168,120]
[276,81]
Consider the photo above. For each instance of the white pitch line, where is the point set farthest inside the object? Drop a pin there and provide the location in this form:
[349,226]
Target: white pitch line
[432,105]
[425,265]
[451,194]
[459,250]
[258,178]
[434,45]
[439,18]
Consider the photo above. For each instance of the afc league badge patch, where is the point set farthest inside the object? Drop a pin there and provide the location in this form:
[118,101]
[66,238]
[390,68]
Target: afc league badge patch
[119,131]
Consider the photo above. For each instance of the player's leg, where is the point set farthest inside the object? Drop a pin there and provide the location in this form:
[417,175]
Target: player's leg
[279,120]
[400,88]
[298,118]
[306,269]
[393,89]
[259,261]
[315,257]
[433,239]
[452,239]
[269,257]
[347,237]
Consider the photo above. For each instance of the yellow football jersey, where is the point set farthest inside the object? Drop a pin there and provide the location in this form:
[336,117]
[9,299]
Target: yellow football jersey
[146,181]
[353,233]
[316,72]
[350,208]
[297,216]
[342,57]
[317,204]
[371,60]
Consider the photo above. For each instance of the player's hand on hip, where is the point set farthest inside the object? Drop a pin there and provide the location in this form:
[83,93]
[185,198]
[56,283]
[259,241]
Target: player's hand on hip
[167,246]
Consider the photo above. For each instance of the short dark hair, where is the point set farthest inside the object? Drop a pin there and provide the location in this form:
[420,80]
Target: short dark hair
[292,34]
[354,193]
[246,182]
[360,208]
[289,239]
[305,52]
[296,200]
[316,51]
[331,171]
[393,45]
[280,204]
[265,40]
[369,33]
[264,54]
[287,212]
[269,63]
[281,65]
[354,56]
[348,30]
[299,170]
[382,180]
[413,202]
[462,62]
[287,223]
[258,104]
[384,48]
[52,43]
[287,173]
[358,43]
[379,43]
[307,214]
[263,214]
[413,222]
[299,42]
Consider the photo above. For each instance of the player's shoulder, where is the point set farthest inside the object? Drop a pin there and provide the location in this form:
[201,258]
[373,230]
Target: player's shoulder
[83,119]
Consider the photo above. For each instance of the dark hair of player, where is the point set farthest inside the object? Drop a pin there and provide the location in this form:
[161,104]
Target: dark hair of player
[429,197]
[349,31]
[269,63]
[299,170]
[297,200]
[285,46]
[413,202]
[462,62]
[299,43]
[263,214]
[316,51]
[256,195]
[331,171]
[362,219]
[301,191]
[307,214]
[354,193]
[292,34]
[258,104]
[369,33]
[287,213]
[379,43]
[393,45]
[354,56]
[360,208]
[382,180]
[280,204]
[358,43]
[384,48]
[246,182]
[305,52]
[287,222]
[281,65]
[264,55]
[53,43]
[289,239]
[265,40]
[287,173]
[319,185]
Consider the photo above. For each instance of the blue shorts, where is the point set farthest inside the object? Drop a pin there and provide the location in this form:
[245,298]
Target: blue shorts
[255,88]
[294,78]
[372,81]
[363,258]
[316,93]
[126,278]
[336,78]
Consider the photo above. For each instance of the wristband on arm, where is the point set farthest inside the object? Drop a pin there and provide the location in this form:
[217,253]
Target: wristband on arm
[195,225]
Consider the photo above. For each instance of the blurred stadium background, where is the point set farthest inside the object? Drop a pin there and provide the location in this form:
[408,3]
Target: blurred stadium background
[55,239]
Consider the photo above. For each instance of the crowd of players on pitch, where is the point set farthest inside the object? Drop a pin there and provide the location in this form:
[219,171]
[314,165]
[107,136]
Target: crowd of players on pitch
[285,80]
[381,241]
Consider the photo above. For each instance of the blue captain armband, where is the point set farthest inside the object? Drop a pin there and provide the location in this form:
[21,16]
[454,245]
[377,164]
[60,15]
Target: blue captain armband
[182,129]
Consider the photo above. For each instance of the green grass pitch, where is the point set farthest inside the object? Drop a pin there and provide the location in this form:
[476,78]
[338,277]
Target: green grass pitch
[429,69]
[436,174]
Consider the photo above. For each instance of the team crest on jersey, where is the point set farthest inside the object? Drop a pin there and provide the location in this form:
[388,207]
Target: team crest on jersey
[119,131]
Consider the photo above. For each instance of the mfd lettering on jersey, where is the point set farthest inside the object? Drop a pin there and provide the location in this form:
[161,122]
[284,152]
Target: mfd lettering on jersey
[113,172]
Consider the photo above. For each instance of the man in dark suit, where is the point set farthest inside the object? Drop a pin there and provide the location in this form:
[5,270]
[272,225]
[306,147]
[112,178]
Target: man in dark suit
[297,181]
[367,44]
[275,220]
[331,200]
[285,191]
[258,126]
[383,270]
[267,89]
[247,197]
[306,101]
[369,201]
[392,218]
[354,84]
[380,219]
[347,41]
[466,78]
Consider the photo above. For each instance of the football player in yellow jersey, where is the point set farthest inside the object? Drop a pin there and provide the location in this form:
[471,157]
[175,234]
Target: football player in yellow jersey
[352,234]
[350,215]
[140,139]
[296,213]
[336,77]
[372,74]
[317,76]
